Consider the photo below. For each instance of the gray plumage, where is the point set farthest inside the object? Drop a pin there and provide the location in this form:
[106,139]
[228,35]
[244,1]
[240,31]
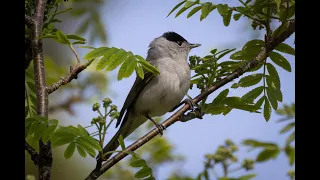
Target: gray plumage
[155,95]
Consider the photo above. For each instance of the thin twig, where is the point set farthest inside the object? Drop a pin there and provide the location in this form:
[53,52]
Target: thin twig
[34,155]
[75,53]
[175,117]
[65,80]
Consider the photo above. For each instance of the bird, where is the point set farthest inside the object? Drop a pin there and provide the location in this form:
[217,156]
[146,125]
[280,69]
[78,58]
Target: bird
[155,95]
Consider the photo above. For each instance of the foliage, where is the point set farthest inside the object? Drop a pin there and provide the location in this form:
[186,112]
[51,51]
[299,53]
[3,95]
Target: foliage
[226,158]
[208,70]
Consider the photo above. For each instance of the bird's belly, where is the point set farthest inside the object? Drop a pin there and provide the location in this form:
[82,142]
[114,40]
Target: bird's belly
[162,94]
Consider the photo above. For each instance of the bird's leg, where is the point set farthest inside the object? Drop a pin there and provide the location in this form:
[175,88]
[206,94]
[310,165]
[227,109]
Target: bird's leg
[159,126]
[186,101]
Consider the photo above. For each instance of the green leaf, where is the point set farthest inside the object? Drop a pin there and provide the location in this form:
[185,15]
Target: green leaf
[237,16]
[278,3]
[253,94]
[227,18]
[33,127]
[253,43]
[274,74]
[62,38]
[235,85]
[290,152]
[53,122]
[267,154]
[82,130]
[79,42]
[193,11]
[147,65]
[144,172]
[291,138]
[104,61]
[247,54]
[288,127]
[285,48]
[215,109]
[48,133]
[273,88]
[121,142]
[55,142]
[250,80]
[222,95]
[260,101]
[205,10]
[97,52]
[213,51]
[267,110]
[178,5]
[91,141]
[247,177]
[280,29]
[127,67]
[138,163]
[254,143]
[117,59]
[87,47]
[139,71]
[39,131]
[75,37]
[186,6]
[272,98]
[81,151]
[70,150]
[227,51]
[222,9]
[85,145]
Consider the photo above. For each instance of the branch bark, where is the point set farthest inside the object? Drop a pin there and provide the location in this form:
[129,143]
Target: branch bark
[34,155]
[74,71]
[175,117]
[35,24]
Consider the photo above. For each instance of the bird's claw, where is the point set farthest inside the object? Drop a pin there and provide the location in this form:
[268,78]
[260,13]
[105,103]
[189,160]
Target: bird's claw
[161,128]
[191,104]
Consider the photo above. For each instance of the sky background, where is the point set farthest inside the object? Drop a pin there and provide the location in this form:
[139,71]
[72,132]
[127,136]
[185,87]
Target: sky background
[132,25]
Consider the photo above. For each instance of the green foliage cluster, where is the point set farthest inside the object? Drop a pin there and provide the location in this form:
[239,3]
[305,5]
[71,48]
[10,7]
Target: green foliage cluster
[210,68]
[208,71]
[225,155]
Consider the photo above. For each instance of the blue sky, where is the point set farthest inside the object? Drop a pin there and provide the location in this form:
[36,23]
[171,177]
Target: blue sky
[132,25]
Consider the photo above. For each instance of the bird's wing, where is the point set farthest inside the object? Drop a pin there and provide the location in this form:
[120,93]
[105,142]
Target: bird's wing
[134,93]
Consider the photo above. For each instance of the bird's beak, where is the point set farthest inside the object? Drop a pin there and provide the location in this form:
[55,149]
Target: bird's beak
[194,45]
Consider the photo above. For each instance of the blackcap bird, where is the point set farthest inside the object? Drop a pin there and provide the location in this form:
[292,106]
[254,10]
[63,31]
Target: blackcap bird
[155,95]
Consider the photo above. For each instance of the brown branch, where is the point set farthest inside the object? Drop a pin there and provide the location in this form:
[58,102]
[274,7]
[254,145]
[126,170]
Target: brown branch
[35,24]
[176,116]
[65,80]
[34,155]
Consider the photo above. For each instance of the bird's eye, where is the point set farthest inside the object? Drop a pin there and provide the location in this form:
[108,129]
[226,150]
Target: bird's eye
[179,43]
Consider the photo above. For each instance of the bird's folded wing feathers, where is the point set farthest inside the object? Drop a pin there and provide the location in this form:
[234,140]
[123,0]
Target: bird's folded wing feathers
[134,93]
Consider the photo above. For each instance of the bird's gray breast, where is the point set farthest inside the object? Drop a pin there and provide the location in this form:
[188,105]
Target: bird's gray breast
[166,90]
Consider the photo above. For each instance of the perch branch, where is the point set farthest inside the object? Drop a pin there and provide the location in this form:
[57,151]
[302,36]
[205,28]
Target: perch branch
[176,116]
[35,24]
[74,71]
[34,155]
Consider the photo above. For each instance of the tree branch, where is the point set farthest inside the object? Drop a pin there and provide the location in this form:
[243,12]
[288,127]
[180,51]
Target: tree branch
[34,155]
[176,116]
[28,20]
[65,80]
[35,24]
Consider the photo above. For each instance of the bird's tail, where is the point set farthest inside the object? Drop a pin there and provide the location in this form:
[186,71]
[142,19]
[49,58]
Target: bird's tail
[125,130]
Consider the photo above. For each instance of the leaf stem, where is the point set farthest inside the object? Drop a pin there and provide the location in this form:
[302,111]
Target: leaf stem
[75,53]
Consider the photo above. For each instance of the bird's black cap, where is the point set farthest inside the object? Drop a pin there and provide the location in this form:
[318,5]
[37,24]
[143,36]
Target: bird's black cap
[172,36]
